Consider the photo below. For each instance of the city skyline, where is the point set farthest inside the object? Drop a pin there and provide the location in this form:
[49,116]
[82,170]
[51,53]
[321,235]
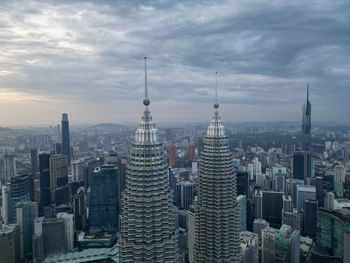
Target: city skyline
[85,59]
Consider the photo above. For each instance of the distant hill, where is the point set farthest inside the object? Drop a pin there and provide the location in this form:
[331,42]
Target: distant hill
[108,126]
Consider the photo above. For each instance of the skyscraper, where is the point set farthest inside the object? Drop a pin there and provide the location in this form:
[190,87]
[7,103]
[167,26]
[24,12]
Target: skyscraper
[339,180]
[44,170]
[59,179]
[26,212]
[306,126]
[216,211]
[10,245]
[148,232]
[302,166]
[65,137]
[103,207]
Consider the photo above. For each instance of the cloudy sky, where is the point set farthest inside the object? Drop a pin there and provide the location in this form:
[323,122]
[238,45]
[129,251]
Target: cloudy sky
[86,58]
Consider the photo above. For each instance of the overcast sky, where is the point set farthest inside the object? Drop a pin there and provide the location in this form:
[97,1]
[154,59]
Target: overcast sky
[86,58]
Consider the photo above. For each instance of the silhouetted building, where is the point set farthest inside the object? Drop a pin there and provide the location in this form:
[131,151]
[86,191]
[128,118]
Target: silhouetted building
[187,194]
[79,209]
[191,152]
[65,137]
[306,125]
[103,208]
[34,160]
[243,183]
[44,170]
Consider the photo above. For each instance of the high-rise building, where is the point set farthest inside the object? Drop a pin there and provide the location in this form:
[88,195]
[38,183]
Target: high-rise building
[6,204]
[21,189]
[280,245]
[329,201]
[69,229]
[53,235]
[331,244]
[79,209]
[191,234]
[302,166]
[103,207]
[148,231]
[272,204]
[26,212]
[10,169]
[242,207]
[306,125]
[65,137]
[191,152]
[10,244]
[305,192]
[172,155]
[34,160]
[279,175]
[243,184]
[44,170]
[78,171]
[310,218]
[59,180]
[216,209]
[249,246]
[339,180]
[187,194]
[172,182]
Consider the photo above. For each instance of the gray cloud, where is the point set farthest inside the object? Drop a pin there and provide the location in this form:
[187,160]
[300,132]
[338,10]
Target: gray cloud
[85,58]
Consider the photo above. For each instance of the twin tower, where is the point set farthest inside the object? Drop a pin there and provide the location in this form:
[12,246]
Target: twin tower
[148,230]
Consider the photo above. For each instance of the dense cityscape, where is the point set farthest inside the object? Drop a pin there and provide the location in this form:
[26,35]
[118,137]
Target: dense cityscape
[254,192]
[174,131]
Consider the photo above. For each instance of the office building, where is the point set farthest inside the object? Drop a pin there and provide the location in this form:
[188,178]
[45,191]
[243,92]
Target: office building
[187,194]
[310,218]
[191,234]
[172,155]
[329,201]
[249,247]
[332,230]
[292,218]
[34,160]
[45,192]
[191,152]
[10,169]
[339,180]
[216,209]
[6,204]
[148,231]
[242,208]
[26,212]
[69,229]
[53,235]
[243,187]
[272,204]
[302,164]
[258,226]
[78,171]
[103,207]
[279,175]
[306,125]
[79,209]
[258,204]
[305,192]
[21,189]
[287,245]
[58,180]
[10,244]
[65,137]
[281,245]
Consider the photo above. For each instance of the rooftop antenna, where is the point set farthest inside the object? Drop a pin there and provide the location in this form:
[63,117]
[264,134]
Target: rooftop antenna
[216,104]
[146,100]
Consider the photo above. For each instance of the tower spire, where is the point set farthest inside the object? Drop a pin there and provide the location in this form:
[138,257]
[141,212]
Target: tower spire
[307,95]
[146,100]
[216,104]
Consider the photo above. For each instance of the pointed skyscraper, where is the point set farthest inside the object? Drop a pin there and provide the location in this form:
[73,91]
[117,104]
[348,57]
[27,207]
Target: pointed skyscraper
[216,212]
[306,126]
[65,136]
[148,231]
